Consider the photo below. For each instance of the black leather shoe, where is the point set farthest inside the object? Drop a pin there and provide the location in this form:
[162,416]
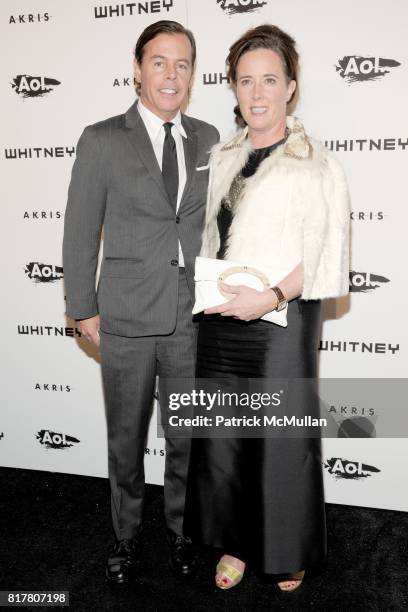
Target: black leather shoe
[183,559]
[122,560]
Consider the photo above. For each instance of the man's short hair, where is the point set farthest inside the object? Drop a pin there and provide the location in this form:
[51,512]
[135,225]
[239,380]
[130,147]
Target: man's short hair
[162,27]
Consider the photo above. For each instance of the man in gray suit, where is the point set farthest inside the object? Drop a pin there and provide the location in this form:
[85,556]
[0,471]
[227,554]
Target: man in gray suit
[142,176]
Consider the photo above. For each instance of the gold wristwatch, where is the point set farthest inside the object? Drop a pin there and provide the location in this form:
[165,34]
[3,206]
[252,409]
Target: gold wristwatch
[282,302]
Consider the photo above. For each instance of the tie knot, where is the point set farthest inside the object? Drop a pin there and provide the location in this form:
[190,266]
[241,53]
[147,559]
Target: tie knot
[167,127]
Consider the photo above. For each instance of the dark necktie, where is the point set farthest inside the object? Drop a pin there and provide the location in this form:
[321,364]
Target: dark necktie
[170,166]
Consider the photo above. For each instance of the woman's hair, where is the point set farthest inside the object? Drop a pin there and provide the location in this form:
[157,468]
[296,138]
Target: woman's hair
[162,27]
[264,37]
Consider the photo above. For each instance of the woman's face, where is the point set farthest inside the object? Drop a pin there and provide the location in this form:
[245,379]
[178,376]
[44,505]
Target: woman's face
[263,90]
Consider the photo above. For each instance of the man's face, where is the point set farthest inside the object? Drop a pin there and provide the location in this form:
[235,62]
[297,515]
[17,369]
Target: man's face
[165,74]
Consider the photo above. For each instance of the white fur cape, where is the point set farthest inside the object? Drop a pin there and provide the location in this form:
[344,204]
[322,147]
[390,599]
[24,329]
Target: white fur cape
[294,208]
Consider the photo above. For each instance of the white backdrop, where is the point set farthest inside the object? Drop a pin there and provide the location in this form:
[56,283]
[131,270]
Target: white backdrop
[68,64]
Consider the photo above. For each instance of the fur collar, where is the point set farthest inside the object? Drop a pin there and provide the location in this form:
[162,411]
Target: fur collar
[233,155]
[297,144]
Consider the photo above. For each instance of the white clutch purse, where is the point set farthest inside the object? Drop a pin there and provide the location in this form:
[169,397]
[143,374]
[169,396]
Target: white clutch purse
[210,272]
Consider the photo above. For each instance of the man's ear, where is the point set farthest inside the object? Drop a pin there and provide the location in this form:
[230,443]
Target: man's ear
[192,80]
[136,70]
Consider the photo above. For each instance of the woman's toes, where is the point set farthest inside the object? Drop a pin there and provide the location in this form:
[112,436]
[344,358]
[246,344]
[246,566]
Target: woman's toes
[222,580]
[288,584]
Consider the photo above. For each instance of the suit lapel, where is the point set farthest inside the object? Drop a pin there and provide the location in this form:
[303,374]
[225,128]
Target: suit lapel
[190,156]
[140,140]
[138,136]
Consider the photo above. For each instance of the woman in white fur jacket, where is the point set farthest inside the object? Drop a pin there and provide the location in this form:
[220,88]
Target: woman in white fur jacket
[276,198]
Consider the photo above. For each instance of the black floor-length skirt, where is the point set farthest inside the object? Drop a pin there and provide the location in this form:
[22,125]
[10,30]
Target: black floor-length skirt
[259,499]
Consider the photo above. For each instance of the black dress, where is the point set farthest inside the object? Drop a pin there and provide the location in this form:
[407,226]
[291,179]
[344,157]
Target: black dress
[258,499]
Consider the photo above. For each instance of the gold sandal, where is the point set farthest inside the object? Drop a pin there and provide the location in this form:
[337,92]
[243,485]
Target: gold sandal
[294,577]
[230,572]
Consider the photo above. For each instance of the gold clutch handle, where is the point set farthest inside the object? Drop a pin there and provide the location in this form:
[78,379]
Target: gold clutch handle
[239,270]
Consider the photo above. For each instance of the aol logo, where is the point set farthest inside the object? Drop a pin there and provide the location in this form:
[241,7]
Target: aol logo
[241,6]
[342,468]
[33,87]
[347,468]
[366,66]
[51,439]
[365,281]
[43,273]
[355,68]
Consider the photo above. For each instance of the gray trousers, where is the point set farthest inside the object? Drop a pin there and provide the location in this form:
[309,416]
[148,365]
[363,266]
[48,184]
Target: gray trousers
[129,369]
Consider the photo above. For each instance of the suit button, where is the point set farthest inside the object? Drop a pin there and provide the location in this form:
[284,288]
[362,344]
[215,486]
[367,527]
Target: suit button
[177,219]
[174,262]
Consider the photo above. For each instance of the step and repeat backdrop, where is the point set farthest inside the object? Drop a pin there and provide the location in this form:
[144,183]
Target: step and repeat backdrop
[69,64]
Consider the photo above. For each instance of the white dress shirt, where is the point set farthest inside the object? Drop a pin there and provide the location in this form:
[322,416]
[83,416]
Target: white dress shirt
[155,129]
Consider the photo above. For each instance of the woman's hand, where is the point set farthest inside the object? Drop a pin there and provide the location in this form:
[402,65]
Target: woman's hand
[247,305]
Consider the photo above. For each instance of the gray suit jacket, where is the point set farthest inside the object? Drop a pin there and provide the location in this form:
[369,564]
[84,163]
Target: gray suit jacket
[117,184]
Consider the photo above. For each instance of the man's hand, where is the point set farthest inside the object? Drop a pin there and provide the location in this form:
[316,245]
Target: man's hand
[248,304]
[89,328]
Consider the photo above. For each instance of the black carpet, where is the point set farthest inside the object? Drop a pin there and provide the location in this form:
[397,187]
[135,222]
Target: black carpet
[56,533]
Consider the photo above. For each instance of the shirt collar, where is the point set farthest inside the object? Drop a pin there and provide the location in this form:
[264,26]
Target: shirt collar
[154,123]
